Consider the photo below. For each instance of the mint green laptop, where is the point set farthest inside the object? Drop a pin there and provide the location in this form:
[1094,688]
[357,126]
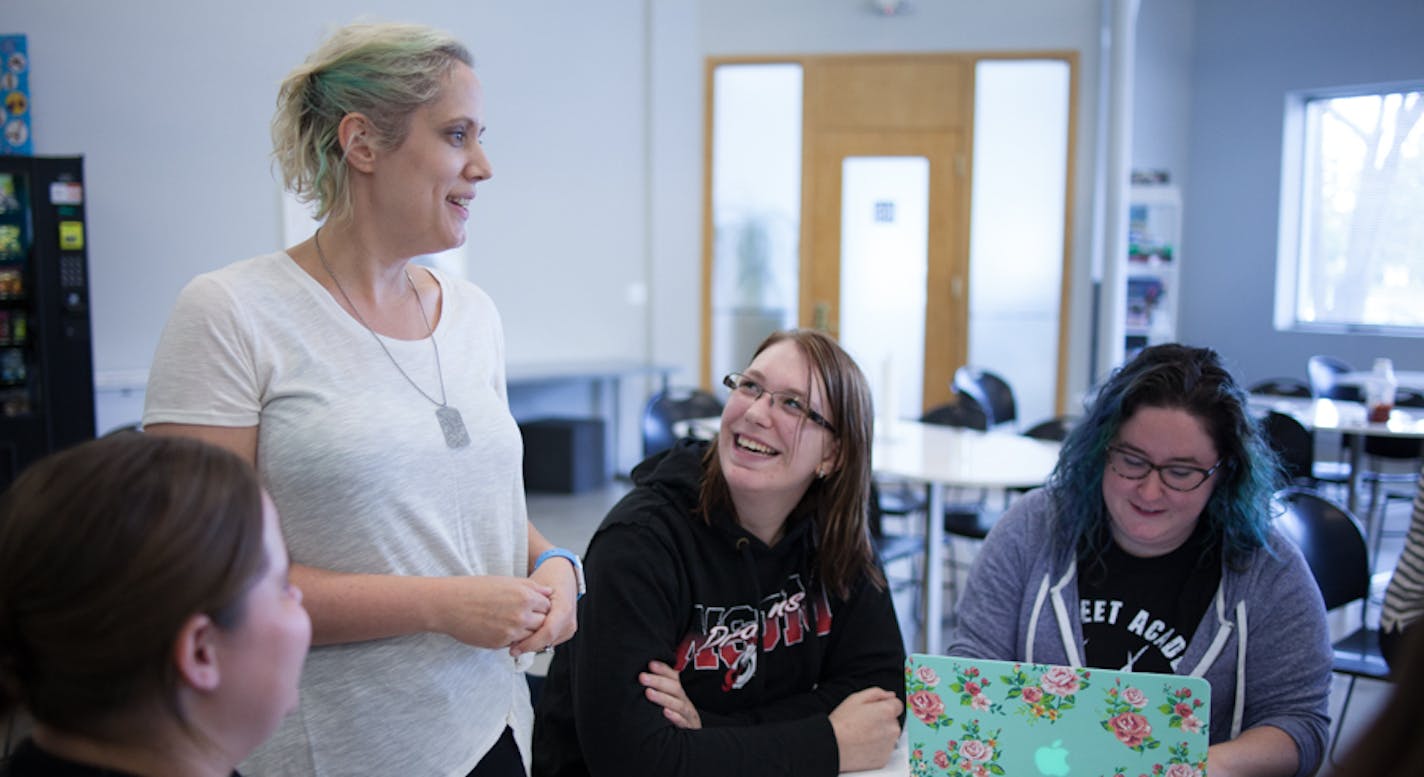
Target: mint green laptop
[972,717]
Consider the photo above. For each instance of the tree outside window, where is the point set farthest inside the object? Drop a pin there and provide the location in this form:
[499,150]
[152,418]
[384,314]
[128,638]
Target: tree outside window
[1359,241]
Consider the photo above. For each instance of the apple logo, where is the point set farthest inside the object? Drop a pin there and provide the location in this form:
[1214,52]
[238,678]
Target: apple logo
[1052,760]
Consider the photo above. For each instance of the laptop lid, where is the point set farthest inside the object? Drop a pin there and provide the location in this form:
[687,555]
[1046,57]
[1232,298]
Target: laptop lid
[972,717]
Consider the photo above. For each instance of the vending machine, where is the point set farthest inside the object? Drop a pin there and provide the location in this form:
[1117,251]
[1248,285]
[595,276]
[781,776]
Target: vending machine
[46,359]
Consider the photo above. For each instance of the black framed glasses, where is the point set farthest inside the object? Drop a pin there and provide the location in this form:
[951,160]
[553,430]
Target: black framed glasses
[1178,477]
[789,402]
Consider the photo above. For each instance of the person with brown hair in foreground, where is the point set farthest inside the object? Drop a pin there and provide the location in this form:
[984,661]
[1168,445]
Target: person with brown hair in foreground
[147,623]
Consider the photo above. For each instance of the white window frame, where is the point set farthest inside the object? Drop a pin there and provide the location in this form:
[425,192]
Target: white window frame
[1296,140]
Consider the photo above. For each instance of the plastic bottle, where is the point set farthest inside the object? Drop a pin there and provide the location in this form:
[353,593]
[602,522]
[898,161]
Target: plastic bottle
[1379,392]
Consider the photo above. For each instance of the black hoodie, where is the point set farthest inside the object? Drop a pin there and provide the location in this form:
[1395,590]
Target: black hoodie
[764,653]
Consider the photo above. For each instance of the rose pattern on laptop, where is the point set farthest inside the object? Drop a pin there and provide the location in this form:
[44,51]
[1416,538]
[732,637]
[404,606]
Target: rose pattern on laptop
[1180,763]
[1046,691]
[922,696]
[1180,709]
[1126,719]
[964,745]
[974,754]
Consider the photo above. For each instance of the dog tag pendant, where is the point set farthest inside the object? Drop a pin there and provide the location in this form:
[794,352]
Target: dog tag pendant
[453,426]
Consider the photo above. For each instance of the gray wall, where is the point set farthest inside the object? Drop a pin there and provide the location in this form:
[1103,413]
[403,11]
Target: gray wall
[1246,57]
[1162,87]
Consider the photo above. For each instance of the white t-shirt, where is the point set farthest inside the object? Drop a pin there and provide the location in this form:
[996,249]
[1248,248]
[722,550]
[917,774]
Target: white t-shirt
[364,481]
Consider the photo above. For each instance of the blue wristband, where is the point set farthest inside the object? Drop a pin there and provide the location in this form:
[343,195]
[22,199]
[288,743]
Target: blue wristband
[572,557]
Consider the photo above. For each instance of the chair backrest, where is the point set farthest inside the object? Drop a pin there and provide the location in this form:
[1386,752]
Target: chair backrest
[1399,448]
[666,408]
[1408,397]
[1332,542]
[990,390]
[965,414]
[1322,371]
[1056,428]
[1292,442]
[1281,387]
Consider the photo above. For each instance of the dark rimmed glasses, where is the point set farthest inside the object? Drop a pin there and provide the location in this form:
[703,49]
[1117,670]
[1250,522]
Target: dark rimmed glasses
[1178,477]
[789,402]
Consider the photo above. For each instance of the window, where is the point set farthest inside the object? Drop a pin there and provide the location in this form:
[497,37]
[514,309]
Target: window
[1351,239]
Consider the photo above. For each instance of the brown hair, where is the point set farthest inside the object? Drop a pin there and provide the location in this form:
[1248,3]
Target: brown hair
[838,502]
[106,549]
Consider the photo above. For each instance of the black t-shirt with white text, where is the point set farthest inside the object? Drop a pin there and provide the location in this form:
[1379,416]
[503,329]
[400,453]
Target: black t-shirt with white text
[1139,613]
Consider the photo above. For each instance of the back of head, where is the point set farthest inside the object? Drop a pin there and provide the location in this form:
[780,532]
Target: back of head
[1193,380]
[381,71]
[106,549]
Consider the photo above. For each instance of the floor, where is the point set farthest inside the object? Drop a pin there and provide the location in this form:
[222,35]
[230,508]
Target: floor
[570,520]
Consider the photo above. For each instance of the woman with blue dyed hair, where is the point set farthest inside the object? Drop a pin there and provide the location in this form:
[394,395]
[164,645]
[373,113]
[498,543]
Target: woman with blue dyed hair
[1151,550]
[370,393]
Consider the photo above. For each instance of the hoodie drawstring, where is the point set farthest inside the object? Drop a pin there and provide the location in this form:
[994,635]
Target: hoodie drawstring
[745,551]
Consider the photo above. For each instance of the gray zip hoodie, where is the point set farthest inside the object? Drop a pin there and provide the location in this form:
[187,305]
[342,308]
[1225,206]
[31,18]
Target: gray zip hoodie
[1263,644]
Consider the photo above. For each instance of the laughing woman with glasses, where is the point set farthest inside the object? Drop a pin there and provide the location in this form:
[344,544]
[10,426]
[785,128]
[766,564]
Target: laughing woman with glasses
[1151,549]
[736,621]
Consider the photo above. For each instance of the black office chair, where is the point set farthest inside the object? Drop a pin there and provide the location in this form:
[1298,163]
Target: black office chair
[965,413]
[1334,547]
[962,413]
[1281,387]
[1055,429]
[893,547]
[991,391]
[1295,446]
[1324,373]
[666,408]
[1405,454]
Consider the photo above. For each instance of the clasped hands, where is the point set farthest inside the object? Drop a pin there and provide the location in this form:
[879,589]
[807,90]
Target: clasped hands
[523,614]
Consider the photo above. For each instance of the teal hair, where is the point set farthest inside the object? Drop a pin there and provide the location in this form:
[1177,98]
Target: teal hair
[381,71]
[1189,379]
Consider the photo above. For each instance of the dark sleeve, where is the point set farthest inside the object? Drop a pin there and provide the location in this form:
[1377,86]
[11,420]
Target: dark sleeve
[634,611]
[864,650]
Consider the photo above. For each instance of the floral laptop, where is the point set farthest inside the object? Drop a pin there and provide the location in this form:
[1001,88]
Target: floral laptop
[971,717]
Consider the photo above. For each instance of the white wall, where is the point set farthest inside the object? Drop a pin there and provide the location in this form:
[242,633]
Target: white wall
[596,117]
[169,101]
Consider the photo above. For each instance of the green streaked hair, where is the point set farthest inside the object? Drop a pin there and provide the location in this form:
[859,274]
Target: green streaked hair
[383,71]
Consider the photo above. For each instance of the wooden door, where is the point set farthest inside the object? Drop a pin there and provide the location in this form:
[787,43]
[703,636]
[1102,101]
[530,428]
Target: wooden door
[892,106]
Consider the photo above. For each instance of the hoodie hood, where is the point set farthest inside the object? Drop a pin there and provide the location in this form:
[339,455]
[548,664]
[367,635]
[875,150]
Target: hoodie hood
[677,474]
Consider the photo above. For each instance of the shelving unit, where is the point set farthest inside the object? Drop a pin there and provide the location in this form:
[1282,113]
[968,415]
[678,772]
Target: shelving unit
[1153,260]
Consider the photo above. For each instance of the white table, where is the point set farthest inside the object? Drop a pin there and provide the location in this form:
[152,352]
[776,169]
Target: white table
[1350,418]
[1412,379]
[942,457]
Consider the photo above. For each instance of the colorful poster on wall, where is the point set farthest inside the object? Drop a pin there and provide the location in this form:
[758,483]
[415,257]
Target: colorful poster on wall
[14,96]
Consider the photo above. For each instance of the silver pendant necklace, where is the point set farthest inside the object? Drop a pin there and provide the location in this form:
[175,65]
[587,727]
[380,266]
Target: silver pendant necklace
[451,424]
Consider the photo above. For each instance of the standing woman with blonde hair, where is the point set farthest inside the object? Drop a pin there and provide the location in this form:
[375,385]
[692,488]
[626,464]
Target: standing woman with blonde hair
[370,393]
